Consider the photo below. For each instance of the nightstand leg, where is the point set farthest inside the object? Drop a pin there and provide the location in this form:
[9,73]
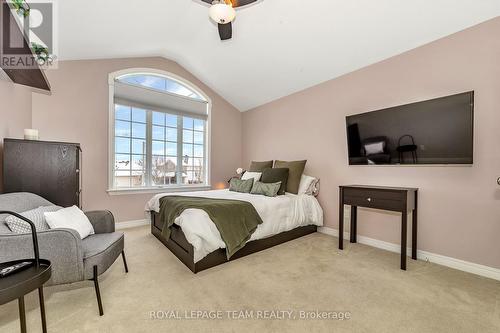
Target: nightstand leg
[414,229]
[42,309]
[341,219]
[22,314]
[354,223]
[404,218]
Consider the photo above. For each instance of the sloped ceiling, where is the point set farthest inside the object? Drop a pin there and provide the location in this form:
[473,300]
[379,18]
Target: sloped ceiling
[278,46]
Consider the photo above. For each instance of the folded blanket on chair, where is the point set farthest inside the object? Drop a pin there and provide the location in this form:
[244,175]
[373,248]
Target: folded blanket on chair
[236,220]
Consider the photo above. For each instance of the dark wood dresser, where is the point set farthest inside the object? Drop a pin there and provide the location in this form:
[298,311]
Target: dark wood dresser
[49,169]
[396,199]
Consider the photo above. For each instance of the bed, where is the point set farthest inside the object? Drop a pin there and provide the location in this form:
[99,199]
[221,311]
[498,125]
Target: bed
[195,240]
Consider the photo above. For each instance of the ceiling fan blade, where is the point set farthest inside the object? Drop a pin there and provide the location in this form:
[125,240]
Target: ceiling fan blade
[225,31]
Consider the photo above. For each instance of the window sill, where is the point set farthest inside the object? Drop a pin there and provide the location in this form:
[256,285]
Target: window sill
[147,190]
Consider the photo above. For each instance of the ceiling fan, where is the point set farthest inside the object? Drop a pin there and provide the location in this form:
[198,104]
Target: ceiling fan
[223,13]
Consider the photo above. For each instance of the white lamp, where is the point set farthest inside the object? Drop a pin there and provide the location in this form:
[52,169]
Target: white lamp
[221,12]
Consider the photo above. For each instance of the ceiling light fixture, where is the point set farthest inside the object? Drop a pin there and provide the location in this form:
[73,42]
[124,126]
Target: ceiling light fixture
[221,12]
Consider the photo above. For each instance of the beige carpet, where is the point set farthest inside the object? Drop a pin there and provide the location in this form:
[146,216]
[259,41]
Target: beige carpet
[307,274]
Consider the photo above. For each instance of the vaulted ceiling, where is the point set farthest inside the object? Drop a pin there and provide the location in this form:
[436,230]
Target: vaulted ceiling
[278,46]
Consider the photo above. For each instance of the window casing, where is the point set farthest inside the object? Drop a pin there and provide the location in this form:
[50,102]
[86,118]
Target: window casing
[158,146]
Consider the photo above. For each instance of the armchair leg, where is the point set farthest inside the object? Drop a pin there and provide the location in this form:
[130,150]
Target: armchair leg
[97,292]
[124,261]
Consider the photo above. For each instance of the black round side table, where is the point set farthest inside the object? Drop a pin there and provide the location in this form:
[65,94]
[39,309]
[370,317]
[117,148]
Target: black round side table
[18,284]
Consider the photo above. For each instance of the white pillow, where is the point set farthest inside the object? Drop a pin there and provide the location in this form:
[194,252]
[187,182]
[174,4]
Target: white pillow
[248,175]
[70,218]
[374,148]
[307,185]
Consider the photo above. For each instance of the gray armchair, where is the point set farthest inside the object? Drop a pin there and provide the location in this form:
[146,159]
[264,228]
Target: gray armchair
[72,258]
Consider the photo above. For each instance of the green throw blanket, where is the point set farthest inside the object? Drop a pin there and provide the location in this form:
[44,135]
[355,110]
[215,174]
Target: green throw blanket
[236,220]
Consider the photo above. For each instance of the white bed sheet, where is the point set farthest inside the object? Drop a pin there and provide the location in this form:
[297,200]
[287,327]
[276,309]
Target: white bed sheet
[279,214]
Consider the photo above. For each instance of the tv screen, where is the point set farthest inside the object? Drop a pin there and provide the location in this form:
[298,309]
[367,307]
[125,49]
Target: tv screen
[438,131]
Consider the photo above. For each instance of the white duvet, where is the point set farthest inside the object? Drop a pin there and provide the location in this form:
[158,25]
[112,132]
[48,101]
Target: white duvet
[279,214]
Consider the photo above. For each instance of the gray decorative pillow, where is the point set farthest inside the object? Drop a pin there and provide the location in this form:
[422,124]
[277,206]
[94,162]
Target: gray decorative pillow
[36,216]
[260,166]
[239,185]
[267,189]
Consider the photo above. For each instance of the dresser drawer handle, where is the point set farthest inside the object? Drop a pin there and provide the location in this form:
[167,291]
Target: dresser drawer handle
[369,199]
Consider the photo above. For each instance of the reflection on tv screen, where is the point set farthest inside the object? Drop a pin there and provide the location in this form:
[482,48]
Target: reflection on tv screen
[438,131]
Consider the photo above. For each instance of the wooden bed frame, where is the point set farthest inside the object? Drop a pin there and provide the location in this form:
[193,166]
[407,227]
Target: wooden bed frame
[183,250]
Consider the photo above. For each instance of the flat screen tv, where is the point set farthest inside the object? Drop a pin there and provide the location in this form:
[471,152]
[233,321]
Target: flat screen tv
[437,131]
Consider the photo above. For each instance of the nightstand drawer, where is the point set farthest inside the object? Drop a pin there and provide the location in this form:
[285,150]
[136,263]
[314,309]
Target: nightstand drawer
[369,202]
[375,199]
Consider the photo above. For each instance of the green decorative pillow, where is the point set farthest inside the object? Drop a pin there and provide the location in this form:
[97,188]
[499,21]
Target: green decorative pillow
[296,169]
[260,166]
[274,175]
[267,189]
[238,185]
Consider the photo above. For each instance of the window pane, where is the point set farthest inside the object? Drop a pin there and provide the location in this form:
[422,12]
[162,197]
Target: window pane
[158,133]
[138,146]
[187,150]
[164,170]
[199,137]
[178,89]
[158,148]
[122,128]
[122,178]
[171,134]
[160,83]
[122,145]
[137,178]
[149,81]
[171,149]
[187,123]
[199,124]
[122,112]
[187,136]
[139,115]
[158,118]
[138,162]
[171,120]
[198,150]
[157,174]
[122,162]
[196,163]
[139,130]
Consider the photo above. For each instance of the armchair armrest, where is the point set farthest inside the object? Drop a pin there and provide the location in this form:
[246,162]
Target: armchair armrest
[63,247]
[102,221]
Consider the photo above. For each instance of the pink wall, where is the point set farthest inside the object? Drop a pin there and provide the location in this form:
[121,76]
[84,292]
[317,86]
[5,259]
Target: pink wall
[77,111]
[459,211]
[15,114]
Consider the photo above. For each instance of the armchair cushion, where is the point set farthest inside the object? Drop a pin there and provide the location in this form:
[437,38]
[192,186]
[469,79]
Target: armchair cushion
[101,250]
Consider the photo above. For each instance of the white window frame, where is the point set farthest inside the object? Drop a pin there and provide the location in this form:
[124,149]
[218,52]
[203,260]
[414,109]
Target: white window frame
[111,135]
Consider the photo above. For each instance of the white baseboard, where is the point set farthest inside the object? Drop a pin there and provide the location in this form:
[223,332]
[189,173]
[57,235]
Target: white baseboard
[470,267]
[131,224]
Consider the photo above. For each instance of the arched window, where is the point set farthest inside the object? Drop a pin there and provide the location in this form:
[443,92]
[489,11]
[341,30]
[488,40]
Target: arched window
[160,83]
[159,132]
